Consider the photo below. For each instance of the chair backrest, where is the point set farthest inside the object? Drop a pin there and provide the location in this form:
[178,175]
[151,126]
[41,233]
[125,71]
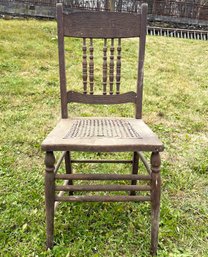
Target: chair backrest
[107,26]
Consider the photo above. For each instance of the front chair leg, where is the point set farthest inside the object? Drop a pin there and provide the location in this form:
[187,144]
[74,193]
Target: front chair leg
[155,200]
[49,197]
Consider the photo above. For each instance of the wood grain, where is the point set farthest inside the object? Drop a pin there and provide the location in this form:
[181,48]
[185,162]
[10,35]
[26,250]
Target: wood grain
[140,76]
[103,188]
[155,200]
[105,68]
[118,67]
[62,70]
[103,177]
[101,25]
[148,141]
[129,97]
[91,67]
[96,198]
[111,66]
[84,66]
[101,161]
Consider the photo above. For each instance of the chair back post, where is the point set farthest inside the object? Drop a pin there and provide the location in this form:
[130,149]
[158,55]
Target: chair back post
[62,72]
[143,31]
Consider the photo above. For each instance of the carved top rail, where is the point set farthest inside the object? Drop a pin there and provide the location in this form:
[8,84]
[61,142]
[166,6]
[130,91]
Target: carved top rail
[101,25]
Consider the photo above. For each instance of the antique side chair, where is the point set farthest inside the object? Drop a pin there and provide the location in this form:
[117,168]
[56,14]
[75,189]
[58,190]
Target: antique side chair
[102,134]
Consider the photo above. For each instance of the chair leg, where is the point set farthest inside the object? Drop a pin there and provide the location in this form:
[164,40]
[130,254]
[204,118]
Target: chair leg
[134,170]
[155,200]
[68,167]
[49,197]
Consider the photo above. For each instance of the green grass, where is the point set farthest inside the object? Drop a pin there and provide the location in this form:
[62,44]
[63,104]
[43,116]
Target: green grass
[175,107]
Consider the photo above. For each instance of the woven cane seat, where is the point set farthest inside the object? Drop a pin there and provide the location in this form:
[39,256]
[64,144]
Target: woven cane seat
[107,128]
[102,134]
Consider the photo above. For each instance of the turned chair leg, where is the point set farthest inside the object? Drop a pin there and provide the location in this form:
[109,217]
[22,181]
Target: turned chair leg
[155,200]
[68,167]
[134,170]
[49,197]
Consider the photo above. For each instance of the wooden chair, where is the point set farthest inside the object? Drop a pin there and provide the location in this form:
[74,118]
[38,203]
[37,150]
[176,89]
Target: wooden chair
[102,134]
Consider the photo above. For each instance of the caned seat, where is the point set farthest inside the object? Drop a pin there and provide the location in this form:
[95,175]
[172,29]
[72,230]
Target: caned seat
[102,134]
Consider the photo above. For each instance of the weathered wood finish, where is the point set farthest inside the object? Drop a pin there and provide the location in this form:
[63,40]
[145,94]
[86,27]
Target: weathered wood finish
[106,26]
[58,164]
[49,196]
[91,67]
[102,161]
[62,72]
[143,31]
[155,200]
[118,67]
[76,97]
[102,25]
[135,170]
[84,66]
[95,198]
[111,72]
[144,161]
[102,177]
[102,188]
[102,134]
[68,168]
[147,141]
[105,67]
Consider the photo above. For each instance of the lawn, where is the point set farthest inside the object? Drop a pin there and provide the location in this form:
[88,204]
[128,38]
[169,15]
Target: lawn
[175,107]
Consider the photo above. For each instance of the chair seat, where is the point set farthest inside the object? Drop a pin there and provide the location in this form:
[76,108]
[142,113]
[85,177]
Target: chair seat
[102,135]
